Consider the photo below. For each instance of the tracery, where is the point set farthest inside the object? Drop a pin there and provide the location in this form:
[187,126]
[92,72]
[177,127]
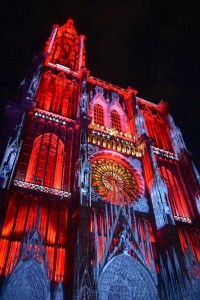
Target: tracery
[112,179]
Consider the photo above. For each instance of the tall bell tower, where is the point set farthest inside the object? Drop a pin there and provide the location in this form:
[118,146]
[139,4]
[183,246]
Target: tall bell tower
[99,196]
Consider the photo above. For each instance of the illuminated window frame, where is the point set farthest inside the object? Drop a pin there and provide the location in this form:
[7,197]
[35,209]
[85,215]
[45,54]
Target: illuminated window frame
[116,120]
[98,114]
[46,161]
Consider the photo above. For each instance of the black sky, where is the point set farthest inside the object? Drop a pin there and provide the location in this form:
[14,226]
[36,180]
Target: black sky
[149,44]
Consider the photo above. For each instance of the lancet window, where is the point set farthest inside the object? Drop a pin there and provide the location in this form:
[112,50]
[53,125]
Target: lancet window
[46,162]
[116,121]
[21,218]
[157,130]
[176,196]
[98,115]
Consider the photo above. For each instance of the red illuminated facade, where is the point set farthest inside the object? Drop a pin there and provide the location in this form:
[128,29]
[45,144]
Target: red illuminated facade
[99,196]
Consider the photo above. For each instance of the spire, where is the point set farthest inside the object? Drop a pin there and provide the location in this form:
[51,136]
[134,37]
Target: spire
[64,47]
[69,27]
[84,165]
[59,292]
[85,287]
[177,139]
[11,155]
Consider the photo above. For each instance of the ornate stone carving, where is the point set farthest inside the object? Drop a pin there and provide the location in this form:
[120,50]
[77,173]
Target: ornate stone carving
[177,139]
[141,205]
[164,153]
[85,288]
[31,271]
[135,163]
[159,196]
[197,198]
[115,98]
[125,278]
[41,188]
[140,124]
[11,155]
[196,173]
[59,292]
[84,168]
[95,196]
[92,149]
[99,89]
[112,139]
[34,84]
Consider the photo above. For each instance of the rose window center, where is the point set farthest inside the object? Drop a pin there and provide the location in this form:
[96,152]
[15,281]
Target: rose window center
[112,180]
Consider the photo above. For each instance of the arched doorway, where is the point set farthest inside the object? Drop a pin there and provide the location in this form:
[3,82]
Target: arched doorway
[28,281]
[123,278]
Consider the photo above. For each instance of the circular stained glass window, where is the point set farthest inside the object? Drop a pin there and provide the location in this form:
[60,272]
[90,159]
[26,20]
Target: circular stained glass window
[114,181]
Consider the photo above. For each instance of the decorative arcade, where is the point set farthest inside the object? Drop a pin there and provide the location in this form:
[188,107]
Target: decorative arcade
[99,197]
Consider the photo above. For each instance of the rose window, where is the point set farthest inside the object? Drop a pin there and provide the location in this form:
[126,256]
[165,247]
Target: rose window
[114,181]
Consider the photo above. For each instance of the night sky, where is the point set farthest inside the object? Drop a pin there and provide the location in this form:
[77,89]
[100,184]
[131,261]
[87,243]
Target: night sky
[150,45]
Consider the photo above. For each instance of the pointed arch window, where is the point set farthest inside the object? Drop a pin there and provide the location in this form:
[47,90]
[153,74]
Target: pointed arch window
[176,196]
[98,115]
[46,161]
[116,121]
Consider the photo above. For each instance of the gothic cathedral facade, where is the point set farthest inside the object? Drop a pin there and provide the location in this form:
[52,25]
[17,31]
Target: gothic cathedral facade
[99,196]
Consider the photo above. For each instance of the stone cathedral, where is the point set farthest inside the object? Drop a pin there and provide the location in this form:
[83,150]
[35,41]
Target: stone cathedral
[99,197]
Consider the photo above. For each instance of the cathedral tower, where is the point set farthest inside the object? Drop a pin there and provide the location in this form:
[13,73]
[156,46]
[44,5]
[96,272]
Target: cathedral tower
[99,196]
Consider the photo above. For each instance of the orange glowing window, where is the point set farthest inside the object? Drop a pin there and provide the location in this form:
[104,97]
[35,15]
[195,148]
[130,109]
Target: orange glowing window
[46,161]
[116,122]
[98,115]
